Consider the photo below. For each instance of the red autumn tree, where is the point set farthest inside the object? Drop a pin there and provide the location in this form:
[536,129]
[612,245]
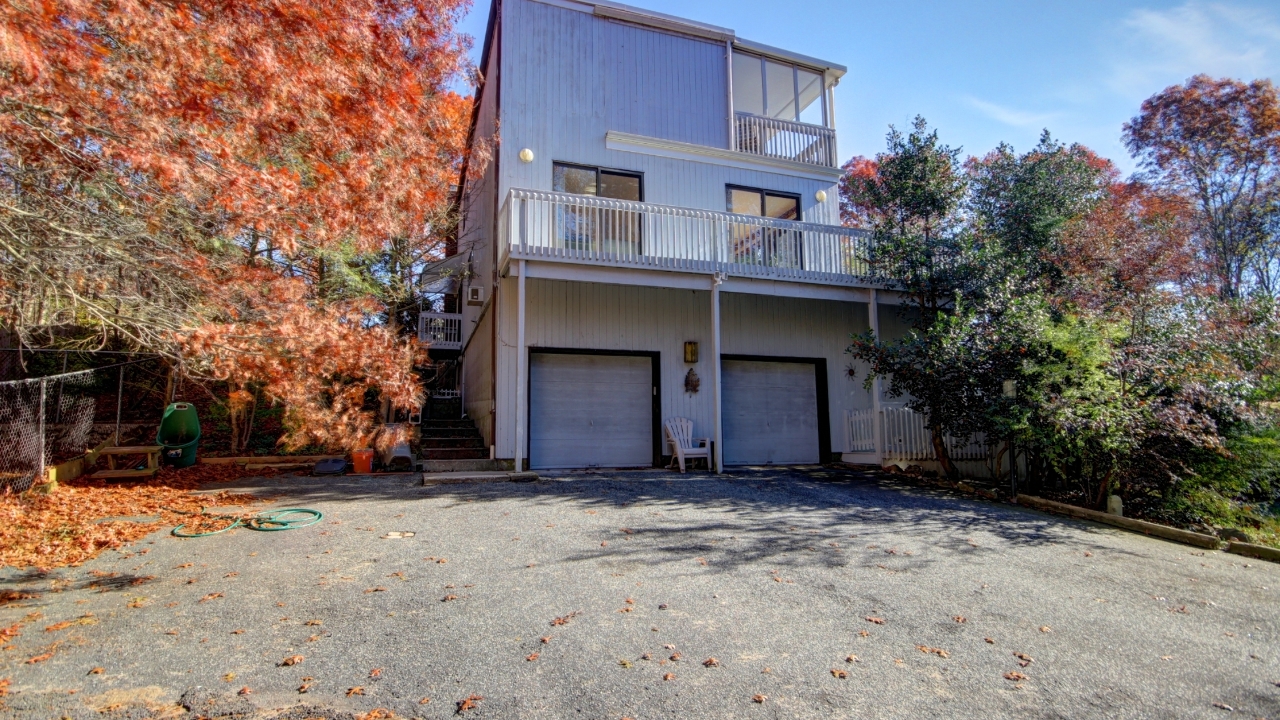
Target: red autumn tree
[1218,143]
[190,176]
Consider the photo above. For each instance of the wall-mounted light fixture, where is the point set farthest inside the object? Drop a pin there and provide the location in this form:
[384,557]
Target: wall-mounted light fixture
[691,352]
[526,155]
[820,196]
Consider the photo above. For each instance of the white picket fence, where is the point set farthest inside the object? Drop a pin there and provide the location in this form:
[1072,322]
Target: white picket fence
[905,436]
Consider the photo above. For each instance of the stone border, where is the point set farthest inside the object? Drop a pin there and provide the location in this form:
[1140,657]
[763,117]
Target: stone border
[1146,528]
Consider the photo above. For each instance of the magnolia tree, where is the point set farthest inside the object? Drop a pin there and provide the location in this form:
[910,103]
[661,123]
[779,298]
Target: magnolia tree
[218,181]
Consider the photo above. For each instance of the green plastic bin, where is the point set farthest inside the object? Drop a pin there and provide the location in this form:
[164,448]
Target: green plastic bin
[179,435]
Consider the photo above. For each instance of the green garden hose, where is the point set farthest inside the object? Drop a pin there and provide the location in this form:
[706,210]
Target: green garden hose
[266,521]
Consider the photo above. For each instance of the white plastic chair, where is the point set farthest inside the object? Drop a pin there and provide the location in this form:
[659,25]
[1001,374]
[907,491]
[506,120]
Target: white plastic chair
[684,446]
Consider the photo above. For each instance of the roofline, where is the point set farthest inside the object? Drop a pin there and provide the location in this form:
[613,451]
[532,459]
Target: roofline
[672,23]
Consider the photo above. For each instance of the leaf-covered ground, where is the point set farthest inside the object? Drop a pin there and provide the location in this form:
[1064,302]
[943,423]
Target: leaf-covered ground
[81,518]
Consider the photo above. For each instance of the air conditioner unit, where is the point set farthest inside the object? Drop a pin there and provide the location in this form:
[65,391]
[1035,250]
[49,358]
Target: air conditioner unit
[475,294]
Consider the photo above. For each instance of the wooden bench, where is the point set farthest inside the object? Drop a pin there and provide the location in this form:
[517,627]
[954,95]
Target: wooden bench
[153,461]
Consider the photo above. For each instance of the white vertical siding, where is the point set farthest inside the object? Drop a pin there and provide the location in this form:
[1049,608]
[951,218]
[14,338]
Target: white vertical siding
[562,314]
[569,77]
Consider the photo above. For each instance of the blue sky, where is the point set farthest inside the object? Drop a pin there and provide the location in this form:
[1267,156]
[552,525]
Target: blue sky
[983,72]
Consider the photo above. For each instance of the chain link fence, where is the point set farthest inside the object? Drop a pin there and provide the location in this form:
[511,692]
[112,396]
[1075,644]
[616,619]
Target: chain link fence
[88,398]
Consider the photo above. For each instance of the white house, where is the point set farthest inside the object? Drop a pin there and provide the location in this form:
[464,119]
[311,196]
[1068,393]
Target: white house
[656,234]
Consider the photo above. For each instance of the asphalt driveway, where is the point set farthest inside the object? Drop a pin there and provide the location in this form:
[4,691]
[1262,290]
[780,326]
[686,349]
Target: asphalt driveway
[771,594]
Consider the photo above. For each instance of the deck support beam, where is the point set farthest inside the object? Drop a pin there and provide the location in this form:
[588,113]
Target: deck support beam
[522,368]
[716,280]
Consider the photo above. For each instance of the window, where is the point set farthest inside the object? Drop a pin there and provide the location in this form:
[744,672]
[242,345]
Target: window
[757,245]
[596,228]
[583,180]
[777,90]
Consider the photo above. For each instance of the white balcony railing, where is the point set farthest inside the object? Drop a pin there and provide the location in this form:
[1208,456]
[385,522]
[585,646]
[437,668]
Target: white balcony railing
[442,331]
[801,142]
[584,229]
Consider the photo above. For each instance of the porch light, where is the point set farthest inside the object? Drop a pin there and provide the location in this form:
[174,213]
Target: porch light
[820,196]
[526,155]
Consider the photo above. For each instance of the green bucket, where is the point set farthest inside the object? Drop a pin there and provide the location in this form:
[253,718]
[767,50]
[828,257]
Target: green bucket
[179,435]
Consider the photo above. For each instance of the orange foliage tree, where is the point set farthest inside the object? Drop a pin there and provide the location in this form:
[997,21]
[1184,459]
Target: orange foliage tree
[244,153]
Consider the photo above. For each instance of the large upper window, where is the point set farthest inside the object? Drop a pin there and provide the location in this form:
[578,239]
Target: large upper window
[770,88]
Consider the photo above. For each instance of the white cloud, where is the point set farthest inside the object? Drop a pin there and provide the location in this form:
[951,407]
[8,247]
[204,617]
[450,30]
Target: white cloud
[1010,116]
[1157,48]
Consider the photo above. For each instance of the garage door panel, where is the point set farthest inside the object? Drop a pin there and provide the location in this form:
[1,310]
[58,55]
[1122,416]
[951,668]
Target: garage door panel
[590,411]
[770,413]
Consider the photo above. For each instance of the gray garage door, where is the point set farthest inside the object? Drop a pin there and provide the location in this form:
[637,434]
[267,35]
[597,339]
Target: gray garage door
[590,411]
[770,413]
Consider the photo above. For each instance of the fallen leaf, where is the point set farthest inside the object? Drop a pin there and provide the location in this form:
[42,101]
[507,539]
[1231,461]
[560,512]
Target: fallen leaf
[42,658]
[447,598]
[468,704]
[933,650]
[1025,658]
[96,671]
[229,677]
[604,543]
[376,672]
[531,657]
[304,687]
[1046,629]
[851,659]
[669,676]
[565,620]
[711,662]
[1014,675]
[314,638]
[625,663]
[211,596]
[237,632]
[876,620]
[960,619]
[313,622]
[701,561]
[355,691]
[545,640]
[757,698]
[838,673]
[864,633]
[1224,706]
[675,657]
[245,691]
[990,641]
[424,701]
[183,565]
[374,590]
[291,660]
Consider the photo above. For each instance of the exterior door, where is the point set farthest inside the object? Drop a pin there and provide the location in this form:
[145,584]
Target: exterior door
[770,413]
[590,410]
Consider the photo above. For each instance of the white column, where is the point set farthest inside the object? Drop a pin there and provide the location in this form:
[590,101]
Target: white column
[877,419]
[522,369]
[728,62]
[716,279]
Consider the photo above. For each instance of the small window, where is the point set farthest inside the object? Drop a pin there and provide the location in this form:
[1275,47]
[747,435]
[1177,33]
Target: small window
[776,89]
[583,180]
[764,203]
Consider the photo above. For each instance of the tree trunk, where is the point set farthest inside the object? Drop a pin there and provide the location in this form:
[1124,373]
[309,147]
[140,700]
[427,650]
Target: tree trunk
[940,452]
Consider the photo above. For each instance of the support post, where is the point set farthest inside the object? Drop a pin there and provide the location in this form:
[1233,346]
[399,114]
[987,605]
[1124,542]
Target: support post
[44,449]
[877,417]
[521,368]
[119,397]
[733,125]
[716,280]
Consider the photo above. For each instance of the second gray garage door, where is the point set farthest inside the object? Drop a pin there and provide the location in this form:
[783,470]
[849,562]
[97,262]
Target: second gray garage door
[590,411]
[770,413]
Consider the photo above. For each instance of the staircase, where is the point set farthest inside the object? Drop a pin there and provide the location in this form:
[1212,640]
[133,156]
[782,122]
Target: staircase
[453,446]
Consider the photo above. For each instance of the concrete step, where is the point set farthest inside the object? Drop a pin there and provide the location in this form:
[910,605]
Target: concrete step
[454,453]
[451,442]
[429,424]
[447,478]
[485,465]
